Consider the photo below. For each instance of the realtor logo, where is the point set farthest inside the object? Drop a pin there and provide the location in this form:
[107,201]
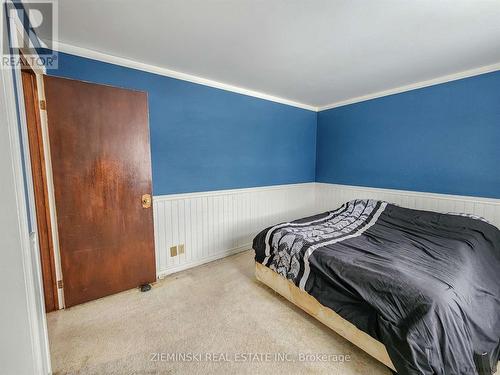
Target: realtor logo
[30,31]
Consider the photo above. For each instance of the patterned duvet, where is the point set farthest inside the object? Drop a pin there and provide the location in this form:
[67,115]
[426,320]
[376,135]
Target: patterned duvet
[425,284]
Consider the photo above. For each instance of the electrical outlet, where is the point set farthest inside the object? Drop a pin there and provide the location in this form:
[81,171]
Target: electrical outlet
[181,249]
[173,251]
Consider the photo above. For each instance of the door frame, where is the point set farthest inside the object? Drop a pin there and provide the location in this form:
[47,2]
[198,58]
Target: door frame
[40,189]
[40,72]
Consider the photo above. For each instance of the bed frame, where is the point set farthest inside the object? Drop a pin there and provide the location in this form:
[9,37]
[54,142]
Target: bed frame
[325,315]
[334,321]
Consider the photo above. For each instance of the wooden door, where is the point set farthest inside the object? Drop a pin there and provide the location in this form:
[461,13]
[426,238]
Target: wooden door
[39,177]
[99,145]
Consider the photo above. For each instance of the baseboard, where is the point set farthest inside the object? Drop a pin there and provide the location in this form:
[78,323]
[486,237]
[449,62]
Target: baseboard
[201,261]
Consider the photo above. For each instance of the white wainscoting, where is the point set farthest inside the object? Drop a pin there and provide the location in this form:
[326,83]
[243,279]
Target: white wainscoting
[215,224]
[329,196]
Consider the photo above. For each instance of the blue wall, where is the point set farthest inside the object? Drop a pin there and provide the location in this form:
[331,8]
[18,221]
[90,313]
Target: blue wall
[442,139]
[204,138]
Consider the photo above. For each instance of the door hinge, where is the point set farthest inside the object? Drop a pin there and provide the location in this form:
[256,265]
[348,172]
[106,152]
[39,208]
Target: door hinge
[59,284]
[43,105]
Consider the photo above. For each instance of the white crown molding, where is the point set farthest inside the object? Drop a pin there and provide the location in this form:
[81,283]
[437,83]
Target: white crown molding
[100,56]
[414,86]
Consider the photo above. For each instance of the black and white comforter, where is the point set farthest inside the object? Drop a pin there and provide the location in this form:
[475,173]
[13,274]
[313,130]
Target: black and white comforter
[425,284]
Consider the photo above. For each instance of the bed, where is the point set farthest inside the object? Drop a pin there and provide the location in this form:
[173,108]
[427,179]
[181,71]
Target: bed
[418,290]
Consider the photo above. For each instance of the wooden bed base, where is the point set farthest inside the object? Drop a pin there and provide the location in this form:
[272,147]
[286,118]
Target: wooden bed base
[325,315]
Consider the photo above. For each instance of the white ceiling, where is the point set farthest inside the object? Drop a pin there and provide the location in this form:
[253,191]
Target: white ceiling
[315,52]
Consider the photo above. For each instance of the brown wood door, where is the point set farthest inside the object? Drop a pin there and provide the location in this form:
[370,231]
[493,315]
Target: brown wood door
[101,164]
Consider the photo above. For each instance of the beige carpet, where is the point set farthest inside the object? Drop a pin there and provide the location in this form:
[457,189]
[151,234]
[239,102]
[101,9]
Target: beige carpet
[217,310]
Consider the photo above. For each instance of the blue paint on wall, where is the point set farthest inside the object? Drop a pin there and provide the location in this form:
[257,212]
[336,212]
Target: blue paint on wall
[204,138]
[442,139]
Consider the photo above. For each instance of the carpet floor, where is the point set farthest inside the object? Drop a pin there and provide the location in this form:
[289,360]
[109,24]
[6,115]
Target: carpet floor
[212,319]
